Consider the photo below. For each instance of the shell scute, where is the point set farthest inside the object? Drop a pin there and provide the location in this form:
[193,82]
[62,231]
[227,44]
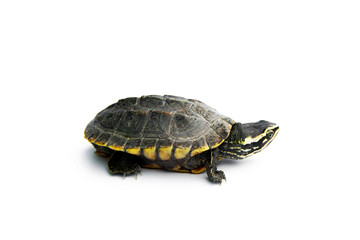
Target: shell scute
[222,128]
[178,102]
[103,138]
[158,125]
[117,143]
[132,124]
[133,143]
[126,102]
[213,139]
[109,117]
[165,153]
[182,149]
[151,101]
[209,114]
[200,145]
[91,132]
[188,127]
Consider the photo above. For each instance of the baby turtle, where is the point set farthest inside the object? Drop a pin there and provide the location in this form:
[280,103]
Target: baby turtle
[173,133]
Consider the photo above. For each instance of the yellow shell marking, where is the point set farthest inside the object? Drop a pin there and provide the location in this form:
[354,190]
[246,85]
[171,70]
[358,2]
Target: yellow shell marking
[198,170]
[165,153]
[135,151]
[101,143]
[150,153]
[181,152]
[176,169]
[117,148]
[153,165]
[199,150]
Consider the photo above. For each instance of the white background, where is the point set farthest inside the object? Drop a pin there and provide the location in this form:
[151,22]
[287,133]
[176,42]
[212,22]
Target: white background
[295,63]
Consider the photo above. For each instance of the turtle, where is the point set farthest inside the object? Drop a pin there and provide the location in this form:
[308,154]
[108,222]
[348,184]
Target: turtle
[173,133]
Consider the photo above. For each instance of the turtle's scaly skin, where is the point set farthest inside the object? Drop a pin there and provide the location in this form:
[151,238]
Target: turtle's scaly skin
[164,131]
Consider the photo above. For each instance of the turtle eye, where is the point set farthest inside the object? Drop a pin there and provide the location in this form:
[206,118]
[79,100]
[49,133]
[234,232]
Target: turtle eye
[269,134]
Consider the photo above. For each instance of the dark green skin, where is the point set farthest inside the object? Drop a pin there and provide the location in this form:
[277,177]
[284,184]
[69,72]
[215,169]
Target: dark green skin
[167,121]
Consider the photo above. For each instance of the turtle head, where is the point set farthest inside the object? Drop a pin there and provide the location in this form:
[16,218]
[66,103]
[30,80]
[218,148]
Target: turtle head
[247,139]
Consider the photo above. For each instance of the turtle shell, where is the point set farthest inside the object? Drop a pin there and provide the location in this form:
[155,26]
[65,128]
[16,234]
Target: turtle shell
[159,127]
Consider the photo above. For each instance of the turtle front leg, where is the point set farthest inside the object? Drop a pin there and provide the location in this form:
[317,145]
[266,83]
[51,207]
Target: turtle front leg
[123,163]
[214,175]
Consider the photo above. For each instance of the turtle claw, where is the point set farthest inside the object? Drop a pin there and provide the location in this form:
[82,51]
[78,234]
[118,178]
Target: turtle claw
[135,171]
[138,172]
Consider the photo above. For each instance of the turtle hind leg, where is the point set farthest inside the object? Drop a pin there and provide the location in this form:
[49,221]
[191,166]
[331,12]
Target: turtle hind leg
[123,163]
[214,175]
